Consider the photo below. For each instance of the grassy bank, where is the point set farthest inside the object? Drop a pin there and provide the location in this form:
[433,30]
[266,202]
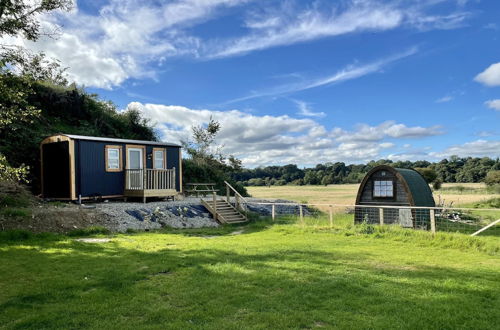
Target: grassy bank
[262,275]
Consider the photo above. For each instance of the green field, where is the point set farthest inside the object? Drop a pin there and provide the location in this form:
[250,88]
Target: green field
[262,275]
[345,194]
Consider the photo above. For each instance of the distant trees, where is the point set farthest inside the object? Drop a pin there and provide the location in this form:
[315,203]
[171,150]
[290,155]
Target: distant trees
[454,169]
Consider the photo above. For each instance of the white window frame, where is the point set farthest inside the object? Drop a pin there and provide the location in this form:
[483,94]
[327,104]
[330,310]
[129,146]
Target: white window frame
[383,189]
[107,156]
[164,158]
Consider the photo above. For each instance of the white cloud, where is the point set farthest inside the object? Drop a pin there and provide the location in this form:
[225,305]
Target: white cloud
[348,73]
[265,140]
[445,99]
[132,38]
[490,76]
[388,129]
[124,38]
[493,104]
[286,25]
[478,148]
[306,111]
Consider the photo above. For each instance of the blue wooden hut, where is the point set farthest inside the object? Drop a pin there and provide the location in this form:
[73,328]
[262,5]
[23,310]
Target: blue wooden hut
[77,167]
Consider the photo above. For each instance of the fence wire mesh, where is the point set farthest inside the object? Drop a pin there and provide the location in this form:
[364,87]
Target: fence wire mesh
[435,219]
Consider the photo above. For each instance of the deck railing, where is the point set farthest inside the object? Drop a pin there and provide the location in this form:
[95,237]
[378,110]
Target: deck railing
[149,179]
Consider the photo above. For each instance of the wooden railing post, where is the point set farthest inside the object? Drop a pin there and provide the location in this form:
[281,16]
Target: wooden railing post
[331,216]
[301,215]
[433,221]
[237,202]
[227,193]
[215,205]
[381,216]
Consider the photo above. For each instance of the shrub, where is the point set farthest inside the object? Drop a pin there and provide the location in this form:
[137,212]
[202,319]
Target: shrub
[436,185]
[492,178]
[89,231]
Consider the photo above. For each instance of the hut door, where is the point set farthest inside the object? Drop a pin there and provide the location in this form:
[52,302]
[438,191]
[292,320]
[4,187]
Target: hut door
[135,168]
[405,218]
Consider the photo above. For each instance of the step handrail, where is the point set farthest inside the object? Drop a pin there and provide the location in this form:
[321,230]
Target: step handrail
[237,195]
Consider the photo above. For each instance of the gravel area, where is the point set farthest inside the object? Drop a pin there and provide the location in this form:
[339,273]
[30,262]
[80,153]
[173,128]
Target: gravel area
[186,213]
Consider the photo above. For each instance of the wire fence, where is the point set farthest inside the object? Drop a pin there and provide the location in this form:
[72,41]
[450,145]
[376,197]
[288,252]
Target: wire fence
[471,221]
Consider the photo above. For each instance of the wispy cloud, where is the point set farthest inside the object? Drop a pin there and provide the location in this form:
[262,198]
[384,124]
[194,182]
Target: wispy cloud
[445,99]
[306,111]
[348,73]
[286,26]
[493,104]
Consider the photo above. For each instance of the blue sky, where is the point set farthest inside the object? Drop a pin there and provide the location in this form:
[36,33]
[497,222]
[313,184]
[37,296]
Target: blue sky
[297,81]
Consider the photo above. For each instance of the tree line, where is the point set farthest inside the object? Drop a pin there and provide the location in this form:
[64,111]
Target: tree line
[453,169]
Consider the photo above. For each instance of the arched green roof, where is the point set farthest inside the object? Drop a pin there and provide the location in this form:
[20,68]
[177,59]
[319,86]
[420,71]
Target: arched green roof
[420,190]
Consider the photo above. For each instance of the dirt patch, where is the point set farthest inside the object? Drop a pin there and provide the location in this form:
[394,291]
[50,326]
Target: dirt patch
[93,240]
[60,219]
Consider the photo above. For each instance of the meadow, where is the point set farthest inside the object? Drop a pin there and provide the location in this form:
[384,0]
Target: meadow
[257,276]
[461,194]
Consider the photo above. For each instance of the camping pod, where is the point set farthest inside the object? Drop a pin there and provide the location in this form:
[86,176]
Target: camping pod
[388,186]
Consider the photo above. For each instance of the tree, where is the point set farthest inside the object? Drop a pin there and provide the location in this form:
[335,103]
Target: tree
[429,174]
[492,178]
[20,16]
[20,69]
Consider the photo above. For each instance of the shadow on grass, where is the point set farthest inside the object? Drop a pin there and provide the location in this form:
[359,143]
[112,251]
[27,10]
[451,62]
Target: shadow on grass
[72,284]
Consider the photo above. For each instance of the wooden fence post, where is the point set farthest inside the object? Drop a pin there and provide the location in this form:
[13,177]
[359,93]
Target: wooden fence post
[301,214]
[433,221]
[227,193]
[331,216]
[215,205]
[273,212]
[381,216]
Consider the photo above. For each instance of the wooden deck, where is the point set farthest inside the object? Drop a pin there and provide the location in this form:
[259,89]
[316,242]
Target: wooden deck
[150,183]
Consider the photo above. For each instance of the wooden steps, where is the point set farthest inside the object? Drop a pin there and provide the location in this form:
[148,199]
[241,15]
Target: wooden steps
[223,211]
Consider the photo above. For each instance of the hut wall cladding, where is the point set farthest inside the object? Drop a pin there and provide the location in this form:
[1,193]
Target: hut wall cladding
[95,181]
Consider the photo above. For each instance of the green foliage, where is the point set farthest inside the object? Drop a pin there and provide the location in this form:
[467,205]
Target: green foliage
[66,109]
[14,174]
[20,16]
[89,231]
[454,169]
[13,212]
[436,185]
[492,178]
[207,163]
[428,173]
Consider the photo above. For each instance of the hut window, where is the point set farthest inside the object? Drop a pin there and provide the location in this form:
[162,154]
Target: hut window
[383,188]
[113,158]
[159,158]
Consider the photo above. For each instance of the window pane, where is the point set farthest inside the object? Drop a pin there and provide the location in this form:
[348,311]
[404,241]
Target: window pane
[134,159]
[158,159]
[113,158]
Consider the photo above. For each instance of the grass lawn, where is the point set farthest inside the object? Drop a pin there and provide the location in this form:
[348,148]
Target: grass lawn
[273,275]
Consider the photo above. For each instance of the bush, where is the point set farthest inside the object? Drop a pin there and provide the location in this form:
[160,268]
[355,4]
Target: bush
[492,178]
[436,185]
[95,230]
